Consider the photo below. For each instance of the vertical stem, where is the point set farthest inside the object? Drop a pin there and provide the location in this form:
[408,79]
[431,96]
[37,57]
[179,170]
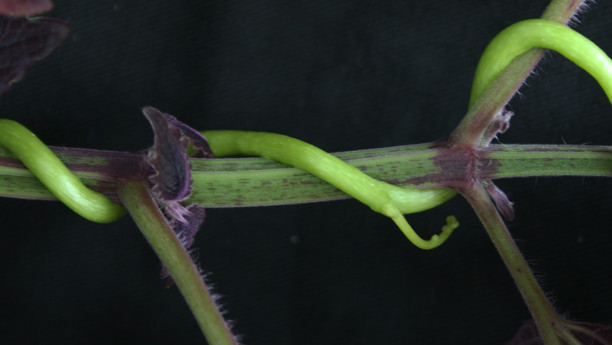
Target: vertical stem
[562,11]
[469,132]
[544,315]
[137,199]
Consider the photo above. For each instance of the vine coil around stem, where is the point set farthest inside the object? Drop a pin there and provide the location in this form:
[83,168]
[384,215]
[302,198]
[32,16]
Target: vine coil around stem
[386,199]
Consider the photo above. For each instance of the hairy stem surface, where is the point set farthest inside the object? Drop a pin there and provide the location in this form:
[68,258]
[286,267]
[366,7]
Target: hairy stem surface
[161,237]
[482,110]
[541,309]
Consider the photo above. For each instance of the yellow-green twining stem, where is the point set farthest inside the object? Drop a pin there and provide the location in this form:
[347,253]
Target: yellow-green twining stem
[539,33]
[35,155]
[389,200]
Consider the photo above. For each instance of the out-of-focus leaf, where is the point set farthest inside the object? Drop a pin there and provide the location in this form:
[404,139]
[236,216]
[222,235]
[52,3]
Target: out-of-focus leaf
[585,333]
[23,41]
[591,333]
[527,335]
[20,8]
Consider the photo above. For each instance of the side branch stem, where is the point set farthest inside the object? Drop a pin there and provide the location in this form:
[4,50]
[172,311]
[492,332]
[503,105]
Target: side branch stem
[137,199]
[544,315]
[468,133]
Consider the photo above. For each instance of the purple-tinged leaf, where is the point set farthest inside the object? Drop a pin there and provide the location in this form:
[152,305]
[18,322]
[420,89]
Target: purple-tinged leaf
[172,177]
[23,41]
[168,156]
[169,160]
[200,144]
[22,8]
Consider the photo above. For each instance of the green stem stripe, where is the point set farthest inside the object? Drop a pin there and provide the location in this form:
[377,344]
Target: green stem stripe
[374,193]
[247,182]
[384,198]
[389,200]
[548,160]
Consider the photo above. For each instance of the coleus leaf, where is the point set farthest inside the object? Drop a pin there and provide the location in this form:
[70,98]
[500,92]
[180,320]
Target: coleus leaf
[168,156]
[171,180]
[169,160]
[23,41]
[21,8]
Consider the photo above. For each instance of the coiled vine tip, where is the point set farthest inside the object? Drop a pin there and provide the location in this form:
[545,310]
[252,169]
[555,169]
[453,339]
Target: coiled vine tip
[54,175]
[540,33]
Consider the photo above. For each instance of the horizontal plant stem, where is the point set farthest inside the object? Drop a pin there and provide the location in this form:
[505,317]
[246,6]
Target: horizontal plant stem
[235,182]
[549,160]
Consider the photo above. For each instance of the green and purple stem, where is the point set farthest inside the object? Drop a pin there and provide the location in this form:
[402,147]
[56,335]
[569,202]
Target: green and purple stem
[264,182]
[271,183]
[483,109]
[171,250]
[467,163]
[499,75]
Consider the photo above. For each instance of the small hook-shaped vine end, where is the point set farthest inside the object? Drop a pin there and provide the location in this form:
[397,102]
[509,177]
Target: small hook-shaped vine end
[434,241]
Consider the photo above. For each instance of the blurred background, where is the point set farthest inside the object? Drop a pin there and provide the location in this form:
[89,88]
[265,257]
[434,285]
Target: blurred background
[342,75]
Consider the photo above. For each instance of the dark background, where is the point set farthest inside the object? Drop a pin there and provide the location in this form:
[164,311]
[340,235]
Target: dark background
[342,75]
